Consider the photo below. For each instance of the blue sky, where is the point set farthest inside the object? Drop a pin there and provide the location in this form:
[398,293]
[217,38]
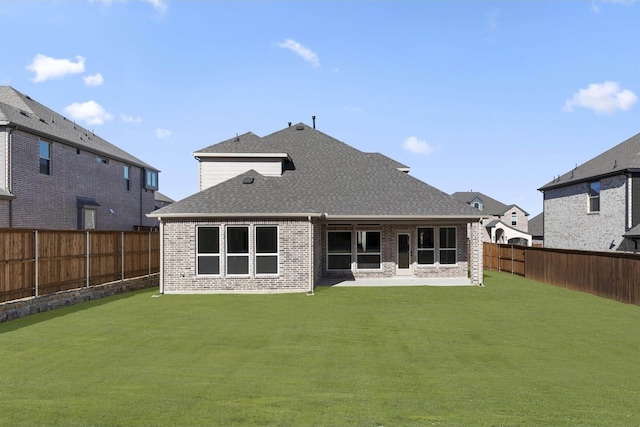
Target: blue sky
[496,97]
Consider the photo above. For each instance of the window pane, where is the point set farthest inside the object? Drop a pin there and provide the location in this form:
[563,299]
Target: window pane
[426,257]
[594,204]
[267,264]
[369,261]
[238,240]
[45,150]
[266,240]
[368,241]
[339,262]
[447,237]
[594,188]
[208,240]
[426,238]
[447,257]
[237,265]
[44,166]
[208,265]
[339,241]
[89,219]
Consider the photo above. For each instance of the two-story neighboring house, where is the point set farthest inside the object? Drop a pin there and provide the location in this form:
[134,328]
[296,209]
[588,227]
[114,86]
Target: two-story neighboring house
[503,223]
[283,212]
[596,205]
[55,174]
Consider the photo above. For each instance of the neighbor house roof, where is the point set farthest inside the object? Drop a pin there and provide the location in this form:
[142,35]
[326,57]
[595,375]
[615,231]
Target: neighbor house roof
[20,111]
[623,157]
[536,225]
[490,206]
[323,176]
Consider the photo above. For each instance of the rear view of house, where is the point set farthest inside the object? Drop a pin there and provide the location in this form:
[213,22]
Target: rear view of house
[55,174]
[280,213]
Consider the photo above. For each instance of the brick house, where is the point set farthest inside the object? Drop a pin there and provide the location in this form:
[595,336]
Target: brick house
[282,212]
[55,174]
[503,223]
[596,205]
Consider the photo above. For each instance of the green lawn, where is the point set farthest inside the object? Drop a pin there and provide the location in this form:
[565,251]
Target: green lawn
[514,352]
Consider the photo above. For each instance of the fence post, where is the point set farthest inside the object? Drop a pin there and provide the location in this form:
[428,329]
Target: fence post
[149,254]
[87,255]
[35,233]
[122,255]
[511,259]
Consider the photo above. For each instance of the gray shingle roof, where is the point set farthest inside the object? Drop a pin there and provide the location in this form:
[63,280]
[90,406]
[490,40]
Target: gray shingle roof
[17,109]
[326,176]
[616,160]
[491,206]
[536,225]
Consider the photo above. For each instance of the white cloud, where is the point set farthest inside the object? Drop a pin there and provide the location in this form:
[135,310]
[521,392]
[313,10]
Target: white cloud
[417,146]
[47,67]
[94,80]
[130,119]
[596,9]
[300,50]
[603,98]
[163,133]
[159,5]
[91,112]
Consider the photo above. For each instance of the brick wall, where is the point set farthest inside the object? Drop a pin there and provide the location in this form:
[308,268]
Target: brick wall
[49,201]
[569,225]
[179,258]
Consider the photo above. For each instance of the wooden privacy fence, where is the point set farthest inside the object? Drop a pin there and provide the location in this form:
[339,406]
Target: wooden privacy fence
[34,263]
[613,275]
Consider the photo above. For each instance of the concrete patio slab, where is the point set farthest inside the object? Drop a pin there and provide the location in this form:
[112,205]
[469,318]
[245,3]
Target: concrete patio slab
[396,281]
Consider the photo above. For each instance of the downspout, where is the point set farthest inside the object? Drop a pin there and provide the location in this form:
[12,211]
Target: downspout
[311,266]
[9,175]
[161,278]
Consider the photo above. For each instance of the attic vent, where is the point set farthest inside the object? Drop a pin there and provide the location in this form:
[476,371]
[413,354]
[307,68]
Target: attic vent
[24,113]
[299,127]
[247,180]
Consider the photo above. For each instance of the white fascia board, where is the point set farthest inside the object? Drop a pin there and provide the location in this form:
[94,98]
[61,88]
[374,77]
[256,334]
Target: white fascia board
[243,155]
[466,218]
[234,215]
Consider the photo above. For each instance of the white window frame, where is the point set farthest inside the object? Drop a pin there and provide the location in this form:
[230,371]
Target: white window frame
[350,253]
[432,249]
[237,254]
[257,255]
[357,252]
[42,143]
[209,254]
[593,197]
[514,218]
[89,218]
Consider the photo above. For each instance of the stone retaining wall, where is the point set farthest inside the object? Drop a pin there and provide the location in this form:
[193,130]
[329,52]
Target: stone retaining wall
[27,306]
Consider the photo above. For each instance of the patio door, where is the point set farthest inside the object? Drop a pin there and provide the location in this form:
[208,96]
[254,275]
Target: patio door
[403,255]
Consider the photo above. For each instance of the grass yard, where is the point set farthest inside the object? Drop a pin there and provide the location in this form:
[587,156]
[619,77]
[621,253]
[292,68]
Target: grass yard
[515,352]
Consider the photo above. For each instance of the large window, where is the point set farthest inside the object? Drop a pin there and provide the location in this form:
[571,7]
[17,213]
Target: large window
[339,250]
[238,250]
[266,255]
[594,196]
[368,245]
[448,245]
[208,250]
[426,246]
[45,158]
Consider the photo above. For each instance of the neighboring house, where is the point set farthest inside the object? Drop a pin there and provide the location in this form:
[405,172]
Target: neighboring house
[504,223]
[536,229]
[55,174]
[280,213]
[161,200]
[596,206]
